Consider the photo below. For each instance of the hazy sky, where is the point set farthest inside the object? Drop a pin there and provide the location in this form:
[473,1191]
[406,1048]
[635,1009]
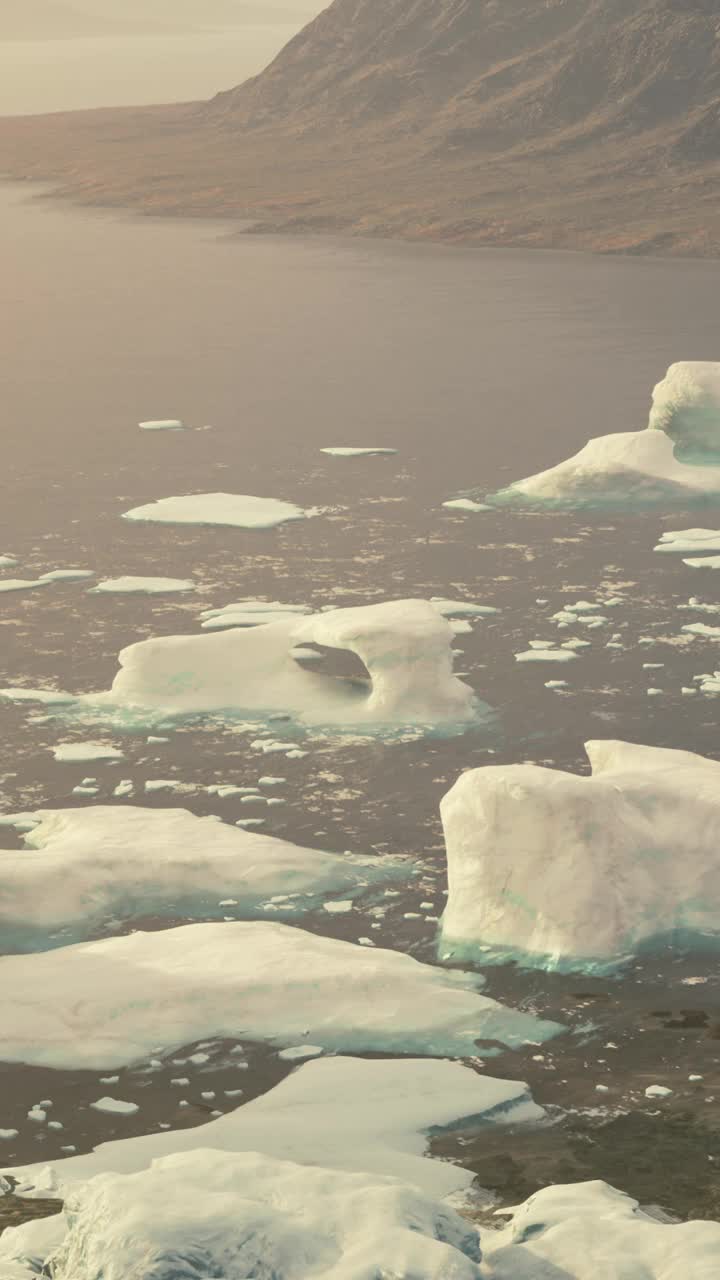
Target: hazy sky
[58,55]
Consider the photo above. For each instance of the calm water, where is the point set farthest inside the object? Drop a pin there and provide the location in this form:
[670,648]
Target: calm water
[479,367]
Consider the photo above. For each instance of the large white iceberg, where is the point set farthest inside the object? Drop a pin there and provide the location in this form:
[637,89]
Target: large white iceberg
[573,872]
[676,460]
[405,646]
[82,867]
[106,1004]
[237,509]
[211,1213]
[358,1114]
[590,1231]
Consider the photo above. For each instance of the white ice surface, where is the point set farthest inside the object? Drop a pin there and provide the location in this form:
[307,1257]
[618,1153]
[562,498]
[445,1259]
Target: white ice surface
[689,542]
[590,1231]
[640,468]
[250,613]
[80,752]
[345,452]
[342,1113]
[466,504]
[81,867]
[67,575]
[239,510]
[148,586]
[23,584]
[405,646]
[211,1213]
[162,424]
[109,1003]
[705,562]
[577,872]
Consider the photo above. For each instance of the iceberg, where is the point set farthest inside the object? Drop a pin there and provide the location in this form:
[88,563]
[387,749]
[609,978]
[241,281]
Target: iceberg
[84,752]
[349,452]
[590,1231]
[690,542]
[162,424]
[405,646]
[83,867]
[110,1003]
[23,584]
[675,461]
[215,1213]
[147,586]
[353,1114]
[576,873]
[250,613]
[238,510]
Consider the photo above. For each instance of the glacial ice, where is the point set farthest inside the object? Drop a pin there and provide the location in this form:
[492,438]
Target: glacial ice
[405,646]
[110,1003]
[572,872]
[148,586]
[345,452]
[250,613]
[356,1114]
[81,867]
[212,1213]
[690,542]
[238,510]
[675,461]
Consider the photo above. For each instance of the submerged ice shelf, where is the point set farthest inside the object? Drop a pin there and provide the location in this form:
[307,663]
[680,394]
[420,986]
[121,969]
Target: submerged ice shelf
[83,867]
[571,872]
[110,1003]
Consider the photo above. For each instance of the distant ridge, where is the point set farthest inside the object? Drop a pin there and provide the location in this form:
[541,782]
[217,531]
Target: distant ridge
[568,123]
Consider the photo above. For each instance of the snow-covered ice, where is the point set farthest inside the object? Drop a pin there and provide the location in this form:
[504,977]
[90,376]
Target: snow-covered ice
[115,1107]
[239,510]
[342,451]
[371,1116]
[689,541]
[109,1003]
[575,872]
[405,646]
[147,586]
[673,462]
[81,867]
[80,752]
[212,1213]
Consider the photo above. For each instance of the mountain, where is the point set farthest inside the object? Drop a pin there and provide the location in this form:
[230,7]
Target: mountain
[568,123]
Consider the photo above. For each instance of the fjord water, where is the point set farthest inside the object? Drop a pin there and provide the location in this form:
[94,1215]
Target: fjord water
[479,367]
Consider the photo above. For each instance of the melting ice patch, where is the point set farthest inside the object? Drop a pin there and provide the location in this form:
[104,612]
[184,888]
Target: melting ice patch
[238,510]
[142,586]
[82,867]
[574,872]
[405,646]
[675,461]
[107,1004]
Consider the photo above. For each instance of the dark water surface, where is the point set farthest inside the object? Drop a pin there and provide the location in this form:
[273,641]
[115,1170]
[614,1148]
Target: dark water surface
[479,367]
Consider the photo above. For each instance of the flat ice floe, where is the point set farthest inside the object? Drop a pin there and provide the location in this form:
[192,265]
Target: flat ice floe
[83,867]
[162,424]
[23,584]
[250,613]
[238,510]
[690,542]
[341,1113]
[147,586]
[405,646]
[110,1003]
[342,451]
[675,461]
[82,752]
[570,872]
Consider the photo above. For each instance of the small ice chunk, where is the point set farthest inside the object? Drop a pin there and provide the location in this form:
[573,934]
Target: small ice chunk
[114,1107]
[67,575]
[37,1115]
[546,655]
[302,1052]
[79,752]
[22,584]
[466,504]
[142,586]
[657,1091]
[342,451]
[556,684]
[162,424]
[338,908]
[7,1135]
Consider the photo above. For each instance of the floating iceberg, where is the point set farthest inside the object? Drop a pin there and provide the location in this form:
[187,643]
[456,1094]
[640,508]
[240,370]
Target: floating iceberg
[238,510]
[705,562]
[67,575]
[23,584]
[590,1231]
[340,1113]
[213,1213]
[466,504]
[675,461]
[81,867]
[344,452]
[690,542]
[250,613]
[110,1003]
[84,752]
[147,586]
[405,646]
[571,872]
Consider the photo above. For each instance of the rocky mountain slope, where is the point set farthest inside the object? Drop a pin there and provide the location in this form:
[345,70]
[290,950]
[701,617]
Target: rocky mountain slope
[585,123]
